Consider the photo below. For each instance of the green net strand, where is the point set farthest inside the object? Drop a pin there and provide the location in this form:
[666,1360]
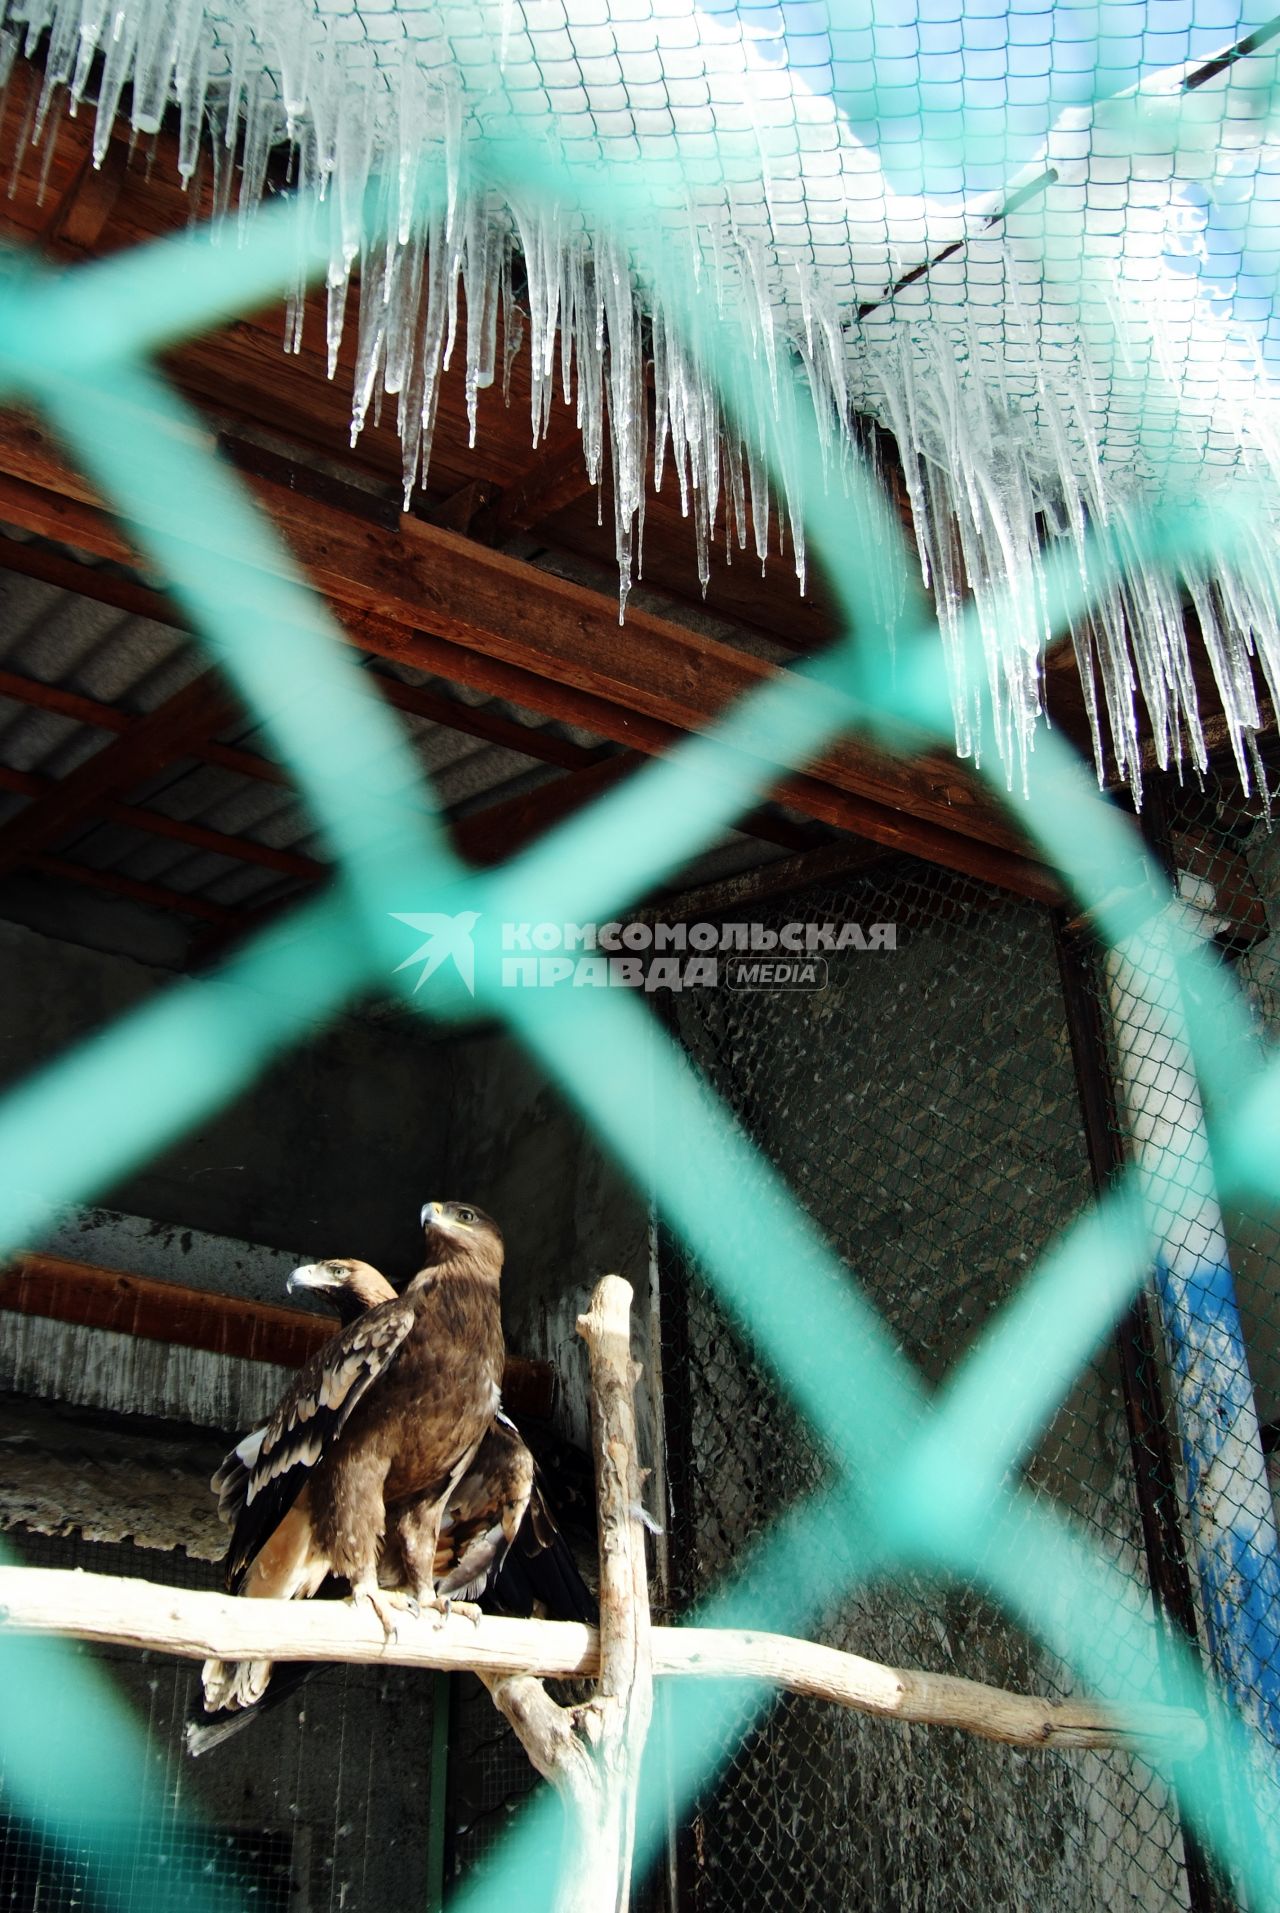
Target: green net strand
[912,1483]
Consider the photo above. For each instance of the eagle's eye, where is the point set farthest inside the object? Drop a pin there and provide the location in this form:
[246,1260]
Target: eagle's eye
[466,1215]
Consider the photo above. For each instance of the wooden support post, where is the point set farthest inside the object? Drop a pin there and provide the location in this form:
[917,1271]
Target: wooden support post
[591,1754]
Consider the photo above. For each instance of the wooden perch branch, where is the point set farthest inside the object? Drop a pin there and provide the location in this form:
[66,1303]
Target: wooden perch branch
[591,1754]
[110,1609]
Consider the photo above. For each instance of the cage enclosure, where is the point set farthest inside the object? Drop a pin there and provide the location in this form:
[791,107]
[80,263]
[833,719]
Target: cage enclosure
[940,1106]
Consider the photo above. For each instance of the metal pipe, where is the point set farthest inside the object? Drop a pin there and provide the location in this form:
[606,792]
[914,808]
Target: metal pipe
[1233,1528]
[1146,1409]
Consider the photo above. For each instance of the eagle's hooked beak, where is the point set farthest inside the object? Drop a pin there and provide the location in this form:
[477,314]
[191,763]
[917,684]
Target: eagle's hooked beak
[312,1275]
[430,1214]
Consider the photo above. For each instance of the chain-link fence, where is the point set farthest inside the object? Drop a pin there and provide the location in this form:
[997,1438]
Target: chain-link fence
[931,1108]
[319,1807]
[894,1499]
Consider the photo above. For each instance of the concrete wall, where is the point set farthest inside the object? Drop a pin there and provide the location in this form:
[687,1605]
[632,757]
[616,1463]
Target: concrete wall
[331,1152]
[518,1149]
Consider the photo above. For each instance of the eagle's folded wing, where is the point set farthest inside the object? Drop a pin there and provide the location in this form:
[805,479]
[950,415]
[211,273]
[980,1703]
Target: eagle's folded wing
[230,1482]
[311,1415]
[484,1514]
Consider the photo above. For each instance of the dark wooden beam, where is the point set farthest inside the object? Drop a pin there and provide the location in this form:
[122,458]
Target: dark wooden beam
[543,747]
[497,608]
[459,509]
[555,479]
[108,717]
[88,581]
[202,706]
[487,836]
[80,216]
[90,1297]
[758,885]
[155,896]
[154,823]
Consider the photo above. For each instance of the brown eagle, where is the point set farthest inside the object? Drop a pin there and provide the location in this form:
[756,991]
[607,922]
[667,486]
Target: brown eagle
[498,1497]
[383,1421]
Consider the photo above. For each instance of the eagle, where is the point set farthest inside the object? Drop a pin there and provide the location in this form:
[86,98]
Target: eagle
[498,1498]
[381,1424]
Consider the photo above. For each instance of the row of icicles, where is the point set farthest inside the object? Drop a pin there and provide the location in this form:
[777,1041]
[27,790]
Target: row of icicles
[984,487]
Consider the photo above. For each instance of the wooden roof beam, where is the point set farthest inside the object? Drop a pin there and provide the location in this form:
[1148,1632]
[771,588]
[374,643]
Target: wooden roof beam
[188,716]
[155,896]
[498,610]
[108,717]
[554,480]
[87,581]
[155,823]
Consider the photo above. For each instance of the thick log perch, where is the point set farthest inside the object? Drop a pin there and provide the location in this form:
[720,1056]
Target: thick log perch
[108,1608]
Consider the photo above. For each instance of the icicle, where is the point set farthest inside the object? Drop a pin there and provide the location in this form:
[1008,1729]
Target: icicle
[354,162]
[374,322]
[192,108]
[1000,403]
[512,321]
[9,48]
[121,40]
[396,318]
[481,282]
[59,63]
[411,111]
[452,130]
[291,22]
[660,397]
[421,394]
[153,62]
[260,122]
[236,87]
[224,172]
[92,21]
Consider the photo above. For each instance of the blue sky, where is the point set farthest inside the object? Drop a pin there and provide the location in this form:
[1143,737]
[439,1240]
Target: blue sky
[955,95]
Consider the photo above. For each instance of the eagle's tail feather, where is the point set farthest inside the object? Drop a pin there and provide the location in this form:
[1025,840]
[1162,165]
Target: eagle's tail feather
[287,1568]
[231,1685]
[206,1731]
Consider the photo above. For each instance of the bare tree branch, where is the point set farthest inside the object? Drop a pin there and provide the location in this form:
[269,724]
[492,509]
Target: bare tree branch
[196,1625]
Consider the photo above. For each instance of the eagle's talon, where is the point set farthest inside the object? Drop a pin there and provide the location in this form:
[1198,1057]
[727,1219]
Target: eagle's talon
[383,1605]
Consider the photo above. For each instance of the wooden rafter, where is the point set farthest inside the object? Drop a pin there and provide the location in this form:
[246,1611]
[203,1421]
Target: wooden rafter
[552,481]
[155,896]
[461,507]
[109,717]
[87,581]
[825,863]
[155,823]
[164,734]
[497,609]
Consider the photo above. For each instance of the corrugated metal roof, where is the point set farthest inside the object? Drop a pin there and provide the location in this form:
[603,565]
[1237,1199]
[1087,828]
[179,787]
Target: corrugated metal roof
[57,637]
